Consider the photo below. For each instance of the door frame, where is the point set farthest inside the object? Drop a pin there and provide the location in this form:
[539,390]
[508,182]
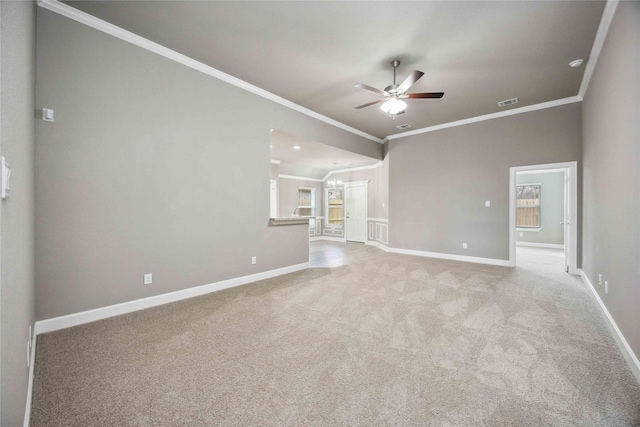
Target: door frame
[571,203]
[364,184]
[273,194]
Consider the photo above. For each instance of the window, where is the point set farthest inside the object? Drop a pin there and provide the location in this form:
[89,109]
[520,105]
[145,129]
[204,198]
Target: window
[334,207]
[306,201]
[528,205]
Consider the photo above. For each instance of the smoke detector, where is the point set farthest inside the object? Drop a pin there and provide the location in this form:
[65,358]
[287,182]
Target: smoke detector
[404,126]
[508,102]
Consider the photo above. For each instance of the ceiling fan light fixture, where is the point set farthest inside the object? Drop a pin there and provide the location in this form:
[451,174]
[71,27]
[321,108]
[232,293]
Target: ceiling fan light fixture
[393,106]
[576,63]
[391,102]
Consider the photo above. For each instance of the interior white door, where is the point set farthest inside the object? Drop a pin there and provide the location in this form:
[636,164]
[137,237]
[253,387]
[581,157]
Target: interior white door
[356,213]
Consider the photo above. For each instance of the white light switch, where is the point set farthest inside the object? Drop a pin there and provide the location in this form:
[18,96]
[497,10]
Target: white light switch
[487,204]
[47,115]
[5,176]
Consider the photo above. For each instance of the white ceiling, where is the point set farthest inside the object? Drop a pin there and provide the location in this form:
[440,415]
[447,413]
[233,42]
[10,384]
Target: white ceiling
[313,52]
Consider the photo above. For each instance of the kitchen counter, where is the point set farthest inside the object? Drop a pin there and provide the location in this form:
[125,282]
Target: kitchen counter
[289,220]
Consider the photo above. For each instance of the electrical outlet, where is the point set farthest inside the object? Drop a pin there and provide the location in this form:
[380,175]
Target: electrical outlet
[148,279]
[253,260]
[521,234]
[600,279]
[487,203]
[606,287]
[464,246]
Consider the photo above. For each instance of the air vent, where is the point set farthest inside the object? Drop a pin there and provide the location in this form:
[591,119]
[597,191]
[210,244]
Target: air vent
[508,102]
[404,126]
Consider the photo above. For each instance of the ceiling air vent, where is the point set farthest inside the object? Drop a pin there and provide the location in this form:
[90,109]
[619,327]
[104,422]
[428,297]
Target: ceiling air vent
[404,126]
[508,102]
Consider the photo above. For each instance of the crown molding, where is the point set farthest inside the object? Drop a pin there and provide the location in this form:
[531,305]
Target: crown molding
[103,26]
[491,116]
[113,30]
[301,178]
[601,34]
[359,168]
[598,42]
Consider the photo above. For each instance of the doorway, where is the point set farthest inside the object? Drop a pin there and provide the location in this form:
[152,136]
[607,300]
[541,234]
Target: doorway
[543,216]
[355,202]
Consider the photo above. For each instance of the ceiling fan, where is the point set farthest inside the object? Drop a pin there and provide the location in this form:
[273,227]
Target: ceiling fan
[394,94]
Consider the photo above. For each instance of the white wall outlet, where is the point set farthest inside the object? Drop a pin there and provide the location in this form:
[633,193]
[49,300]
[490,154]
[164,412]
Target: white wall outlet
[253,260]
[487,204]
[606,287]
[47,115]
[148,279]
[464,246]
[600,279]
[521,234]
[30,335]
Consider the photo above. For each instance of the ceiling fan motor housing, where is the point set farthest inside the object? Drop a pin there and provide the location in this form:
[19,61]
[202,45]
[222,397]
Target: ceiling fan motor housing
[394,93]
[391,89]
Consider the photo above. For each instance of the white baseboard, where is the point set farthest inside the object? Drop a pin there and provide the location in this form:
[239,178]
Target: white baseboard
[463,258]
[377,244]
[541,245]
[32,359]
[56,323]
[623,345]
[330,238]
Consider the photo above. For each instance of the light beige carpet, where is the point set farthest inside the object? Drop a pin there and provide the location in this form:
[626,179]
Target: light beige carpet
[383,340]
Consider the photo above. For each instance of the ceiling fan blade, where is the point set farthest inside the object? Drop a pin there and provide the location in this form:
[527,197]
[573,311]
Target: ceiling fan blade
[368,104]
[423,95]
[370,89]
[410,80]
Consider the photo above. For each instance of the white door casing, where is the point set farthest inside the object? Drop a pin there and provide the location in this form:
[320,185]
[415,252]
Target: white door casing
[565,220]
[274,198]
[571,217]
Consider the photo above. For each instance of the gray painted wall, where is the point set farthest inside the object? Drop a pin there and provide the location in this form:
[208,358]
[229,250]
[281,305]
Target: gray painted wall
[611,208]
[551,208]
[151,167]
[439,181]
[18,136]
